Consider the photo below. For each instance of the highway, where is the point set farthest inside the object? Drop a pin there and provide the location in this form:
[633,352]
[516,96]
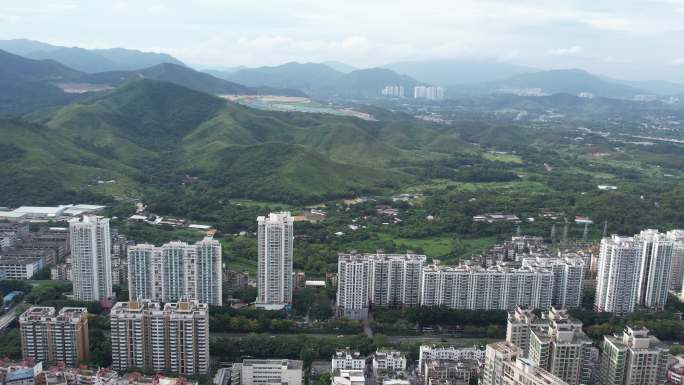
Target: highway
[7,318]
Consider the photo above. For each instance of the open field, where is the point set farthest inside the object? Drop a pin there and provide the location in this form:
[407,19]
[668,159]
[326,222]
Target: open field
[506,158]
[432,247]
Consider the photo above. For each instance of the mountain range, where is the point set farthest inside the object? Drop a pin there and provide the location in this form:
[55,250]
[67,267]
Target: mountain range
[87,60]
[320,80]
[449,72]
[570,81]
[332,79]
[27,85]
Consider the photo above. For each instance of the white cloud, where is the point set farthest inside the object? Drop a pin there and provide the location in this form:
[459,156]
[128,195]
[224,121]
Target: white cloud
[364,33]
[677,62]
[569,51]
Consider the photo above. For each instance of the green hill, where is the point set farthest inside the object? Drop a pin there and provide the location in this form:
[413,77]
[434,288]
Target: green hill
[27,85]
[41,166]
[277,171]
[174,73]
[15,69]
[151,133]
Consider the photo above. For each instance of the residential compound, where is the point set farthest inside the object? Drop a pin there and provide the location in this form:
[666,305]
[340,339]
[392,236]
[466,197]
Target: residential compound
[346,359]
[389,361]
[554,342]
[635,271]
[176,271]
[568,279]
[365,280]
[494,288]
[50,337]
[635,357]
[430,353]
[91,258]
[274,267]
[505,365]
[173,339]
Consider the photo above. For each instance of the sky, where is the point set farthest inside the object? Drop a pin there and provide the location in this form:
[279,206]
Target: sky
[630,39]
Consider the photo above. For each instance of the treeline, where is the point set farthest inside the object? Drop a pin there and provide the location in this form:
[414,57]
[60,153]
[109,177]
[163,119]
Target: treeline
[464,167]
[250,320]
[464,322]
[665,325]
[298,347]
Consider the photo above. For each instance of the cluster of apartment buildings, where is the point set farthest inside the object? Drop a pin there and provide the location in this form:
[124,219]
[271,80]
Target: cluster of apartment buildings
[145,336]
[637,272]
[54,337]
[173,338]
[553,349]
[419,92]
[439,365]
[349,367]
[366,280]
[176,270]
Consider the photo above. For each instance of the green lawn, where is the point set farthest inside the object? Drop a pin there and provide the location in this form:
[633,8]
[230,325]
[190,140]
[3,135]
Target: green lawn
[432,247]
[249,266]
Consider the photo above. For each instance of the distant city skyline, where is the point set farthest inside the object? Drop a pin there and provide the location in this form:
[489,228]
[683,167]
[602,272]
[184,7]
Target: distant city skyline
[627,39]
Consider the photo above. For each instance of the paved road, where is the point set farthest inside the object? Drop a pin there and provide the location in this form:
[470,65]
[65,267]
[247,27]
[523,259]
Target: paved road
[7,318]
[366,327]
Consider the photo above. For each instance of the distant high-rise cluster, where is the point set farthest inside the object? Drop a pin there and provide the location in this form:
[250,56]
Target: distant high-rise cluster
[393,91]
[428,92]
[636,271]
[173,339]
[274,267]
[176,271]
[91,257]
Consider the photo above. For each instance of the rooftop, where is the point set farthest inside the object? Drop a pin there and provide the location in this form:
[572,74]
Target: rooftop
[290,364]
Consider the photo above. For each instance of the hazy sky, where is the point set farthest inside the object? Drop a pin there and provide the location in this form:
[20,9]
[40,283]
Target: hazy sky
[638,39]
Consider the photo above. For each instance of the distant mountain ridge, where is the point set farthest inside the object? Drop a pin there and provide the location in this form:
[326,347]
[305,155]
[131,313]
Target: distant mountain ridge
[27,85]
[457,71]
[88,60]
[321,80]
[173,73]
[569,81]
[302,76]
